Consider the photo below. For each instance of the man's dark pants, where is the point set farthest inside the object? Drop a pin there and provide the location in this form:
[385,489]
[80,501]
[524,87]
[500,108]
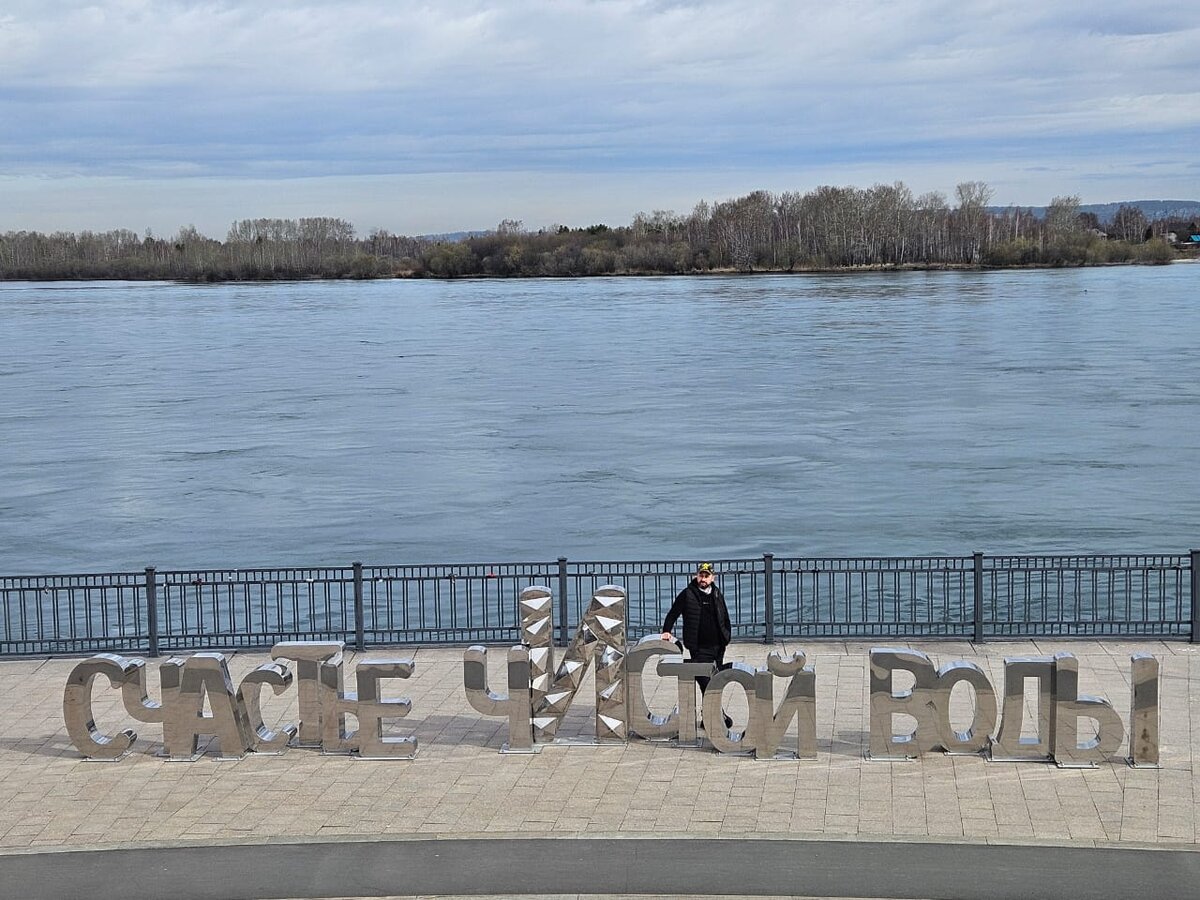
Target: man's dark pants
[706,654]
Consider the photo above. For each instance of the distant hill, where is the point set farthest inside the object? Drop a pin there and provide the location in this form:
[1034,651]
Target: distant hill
[1151,209]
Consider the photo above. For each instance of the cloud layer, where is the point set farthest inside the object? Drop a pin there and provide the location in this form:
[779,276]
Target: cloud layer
[449,115]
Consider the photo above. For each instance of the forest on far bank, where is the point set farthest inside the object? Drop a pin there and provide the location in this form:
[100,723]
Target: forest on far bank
[829,228]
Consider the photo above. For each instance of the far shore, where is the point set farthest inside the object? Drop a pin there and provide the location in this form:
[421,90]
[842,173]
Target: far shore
[723,272]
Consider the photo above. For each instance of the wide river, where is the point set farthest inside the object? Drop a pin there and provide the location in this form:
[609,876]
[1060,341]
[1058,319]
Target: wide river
[627,418]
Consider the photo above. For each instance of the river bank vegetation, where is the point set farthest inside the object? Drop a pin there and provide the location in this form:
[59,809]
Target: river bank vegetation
[829,228]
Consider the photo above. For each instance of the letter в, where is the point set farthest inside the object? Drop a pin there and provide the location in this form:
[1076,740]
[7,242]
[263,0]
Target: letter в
[886,703]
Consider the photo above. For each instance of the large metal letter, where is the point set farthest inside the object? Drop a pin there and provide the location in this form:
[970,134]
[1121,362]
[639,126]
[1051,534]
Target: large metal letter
[603,629]
[336,703]
[886,703]
[249,695]
[308,656]
[799,703]
[642,722]
[1069,707]
[730,741]
[77,705]
[687,673]
[136,698]
[979,735]
[203,675]
[1009,745]
[536,606]
[516,704]
[372,709]
[1143,715]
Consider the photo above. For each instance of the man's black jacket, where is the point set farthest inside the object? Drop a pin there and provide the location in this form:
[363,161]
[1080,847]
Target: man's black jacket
[687,604]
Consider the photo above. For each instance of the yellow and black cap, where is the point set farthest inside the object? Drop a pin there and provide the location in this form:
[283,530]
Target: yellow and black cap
[705,567]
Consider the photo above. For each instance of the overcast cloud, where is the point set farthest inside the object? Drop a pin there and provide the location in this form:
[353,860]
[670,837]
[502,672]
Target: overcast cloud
[421,117]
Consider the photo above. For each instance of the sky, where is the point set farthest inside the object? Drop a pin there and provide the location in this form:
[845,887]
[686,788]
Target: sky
[432,117]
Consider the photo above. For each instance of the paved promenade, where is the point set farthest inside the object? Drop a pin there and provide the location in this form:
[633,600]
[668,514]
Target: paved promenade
[459,786]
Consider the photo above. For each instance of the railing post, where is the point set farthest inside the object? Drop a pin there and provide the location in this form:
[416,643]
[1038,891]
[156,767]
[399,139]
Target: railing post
[563,635]
[1195,638]
[978,559]
[769,597]
[152,609]
[358,607]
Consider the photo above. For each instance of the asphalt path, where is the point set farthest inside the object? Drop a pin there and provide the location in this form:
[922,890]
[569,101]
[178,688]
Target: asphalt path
[382,868]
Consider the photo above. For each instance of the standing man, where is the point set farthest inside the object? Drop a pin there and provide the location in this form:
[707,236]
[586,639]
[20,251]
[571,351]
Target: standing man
[706,628]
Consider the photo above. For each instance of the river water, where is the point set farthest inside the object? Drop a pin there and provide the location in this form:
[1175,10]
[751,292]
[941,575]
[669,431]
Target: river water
[626,418]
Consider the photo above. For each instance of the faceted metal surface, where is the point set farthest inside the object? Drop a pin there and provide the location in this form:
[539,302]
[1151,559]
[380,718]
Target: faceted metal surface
[723,739]
[516,704]
[1143,713]
[372,709]
[601,635]
[536,607]
[642,722]
[1069,707]
[249,693]
[799,704]
[202,675]
[77,705]
[1009,745]
[686,674]
[886,703]
[978,736]
[308,656]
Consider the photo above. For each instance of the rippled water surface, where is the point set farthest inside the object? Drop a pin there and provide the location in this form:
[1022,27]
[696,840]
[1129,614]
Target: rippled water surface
[402,421]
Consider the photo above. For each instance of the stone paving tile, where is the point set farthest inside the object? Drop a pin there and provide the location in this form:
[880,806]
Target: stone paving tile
[460,785]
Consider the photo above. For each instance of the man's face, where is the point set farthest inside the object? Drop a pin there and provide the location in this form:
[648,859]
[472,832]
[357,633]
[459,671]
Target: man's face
[705,578]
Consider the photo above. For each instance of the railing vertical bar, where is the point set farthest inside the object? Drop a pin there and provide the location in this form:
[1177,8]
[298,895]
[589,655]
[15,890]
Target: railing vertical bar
[359,625]
[977,559]
[1195,574]
[563,633]
[769,598]
[152,610]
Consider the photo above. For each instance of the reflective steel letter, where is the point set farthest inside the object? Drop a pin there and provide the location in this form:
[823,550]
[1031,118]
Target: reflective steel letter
[1069,707]
[977,737]
[77,705]
[308,656]
[886,703]
[799,703]
[335,704]
[203,675]
[1143,716]
[714,714]
[516,704]
[687,673]
[536,606]
[249,695]
[136,698]
[603,629]
[642,722]
[372,709]
[1009,745]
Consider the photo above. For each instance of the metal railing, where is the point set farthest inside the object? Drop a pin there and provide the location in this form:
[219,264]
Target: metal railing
[770,598]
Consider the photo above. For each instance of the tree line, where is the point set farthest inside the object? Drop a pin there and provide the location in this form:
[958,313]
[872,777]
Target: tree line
[828,228]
